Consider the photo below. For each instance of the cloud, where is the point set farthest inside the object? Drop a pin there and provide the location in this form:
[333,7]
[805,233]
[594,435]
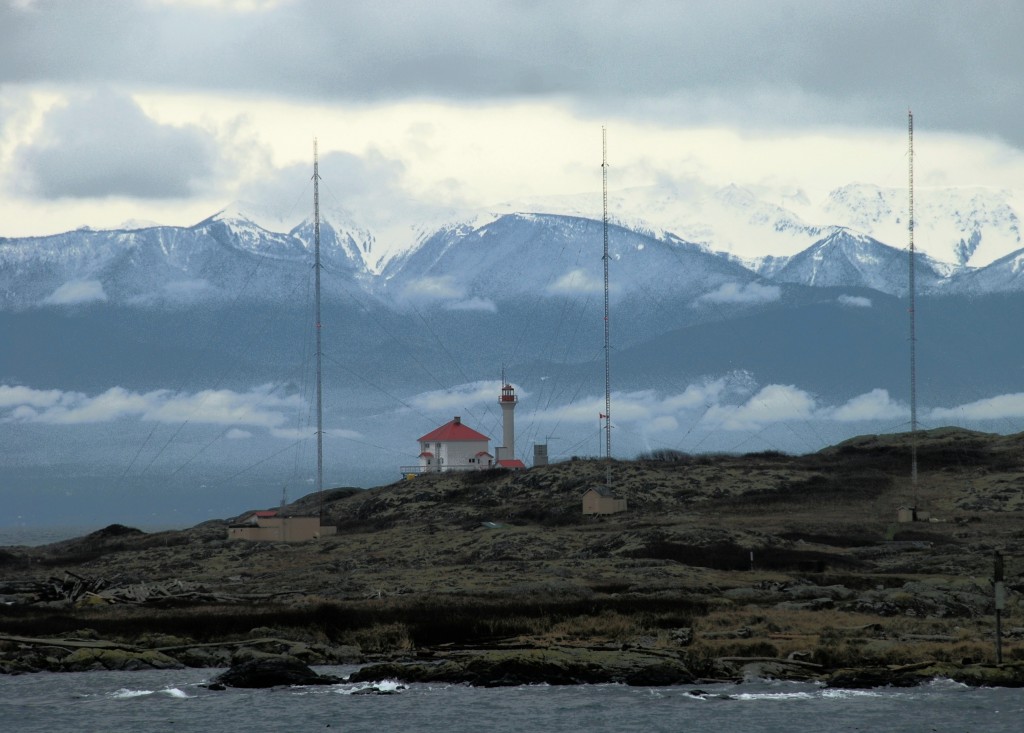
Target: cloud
[874,405]
[577,281]
[371,183]
[990,408]
[260,407]
[237,434]
[234,6]
[650,405]
[343,433]
[458,397]
[693,61]
[700,396]
[775,403]
[854,301]
[433,288]
[25,396]
[742,293]
[663,424]
[77,292]
[103,144]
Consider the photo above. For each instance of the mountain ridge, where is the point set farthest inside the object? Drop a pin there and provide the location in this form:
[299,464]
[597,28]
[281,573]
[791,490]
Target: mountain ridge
[205,259]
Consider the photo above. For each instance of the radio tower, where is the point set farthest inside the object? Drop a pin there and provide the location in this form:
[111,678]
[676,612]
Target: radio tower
[913,334]
[607,340]
[319,351]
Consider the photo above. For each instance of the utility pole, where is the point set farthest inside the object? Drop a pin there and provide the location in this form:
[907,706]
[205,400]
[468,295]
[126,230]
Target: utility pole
[1000,591]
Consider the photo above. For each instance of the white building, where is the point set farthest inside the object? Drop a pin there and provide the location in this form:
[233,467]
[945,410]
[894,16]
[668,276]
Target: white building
[506,453]
[454,447]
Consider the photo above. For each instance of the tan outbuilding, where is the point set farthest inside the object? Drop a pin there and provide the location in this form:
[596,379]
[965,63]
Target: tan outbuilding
[271,526]
[600,500]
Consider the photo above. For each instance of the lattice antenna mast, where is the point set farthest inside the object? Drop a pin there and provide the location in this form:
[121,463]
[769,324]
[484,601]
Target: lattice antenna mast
[913,314]
[319,345]
[607,333]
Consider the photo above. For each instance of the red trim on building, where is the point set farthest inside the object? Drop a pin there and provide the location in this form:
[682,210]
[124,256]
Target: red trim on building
[452,431]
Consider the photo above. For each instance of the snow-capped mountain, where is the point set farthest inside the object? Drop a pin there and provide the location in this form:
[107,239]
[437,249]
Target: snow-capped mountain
[1005,275]
[533,256]
[224,257]
[848,259]
[473,262]
[965,226]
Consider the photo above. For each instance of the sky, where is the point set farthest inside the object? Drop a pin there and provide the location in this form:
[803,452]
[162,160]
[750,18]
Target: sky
[167,111]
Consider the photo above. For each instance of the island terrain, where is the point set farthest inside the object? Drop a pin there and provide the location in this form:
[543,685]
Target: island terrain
[722,567]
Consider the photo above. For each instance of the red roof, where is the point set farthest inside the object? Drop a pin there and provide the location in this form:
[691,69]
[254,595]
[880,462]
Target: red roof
[264,514]
[426,454]
[452,431]
[482,453]
[511,463]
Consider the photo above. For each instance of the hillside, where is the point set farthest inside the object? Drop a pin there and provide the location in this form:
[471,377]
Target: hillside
[491,559]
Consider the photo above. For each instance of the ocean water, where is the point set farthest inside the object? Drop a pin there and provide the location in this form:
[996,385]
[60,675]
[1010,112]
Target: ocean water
[175,701]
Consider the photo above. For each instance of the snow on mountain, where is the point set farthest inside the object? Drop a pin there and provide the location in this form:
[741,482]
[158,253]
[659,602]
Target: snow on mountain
[262,230]
[532,256]
[667,239]
[223,257]
[966,226]
[969,227]
[1005,275]
[747,223]
[849,259]
[129,224]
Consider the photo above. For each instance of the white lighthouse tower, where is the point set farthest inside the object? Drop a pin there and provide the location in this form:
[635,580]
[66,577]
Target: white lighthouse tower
[506,454]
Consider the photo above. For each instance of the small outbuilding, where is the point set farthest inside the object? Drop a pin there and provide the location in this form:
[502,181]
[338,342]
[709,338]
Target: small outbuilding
[601,500]
[271,526]
[912,514]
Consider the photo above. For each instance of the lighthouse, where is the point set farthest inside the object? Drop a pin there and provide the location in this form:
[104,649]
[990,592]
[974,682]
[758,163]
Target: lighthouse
[506,454]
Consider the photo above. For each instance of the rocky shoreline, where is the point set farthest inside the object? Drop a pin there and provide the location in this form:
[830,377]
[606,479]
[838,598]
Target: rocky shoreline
[723,569]
[269,662]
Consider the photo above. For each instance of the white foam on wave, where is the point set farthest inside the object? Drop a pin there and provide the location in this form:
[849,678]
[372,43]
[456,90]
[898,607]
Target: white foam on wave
[774,696]
[384,687]
[124,693]
[175,692]
[944,683]
[842,694]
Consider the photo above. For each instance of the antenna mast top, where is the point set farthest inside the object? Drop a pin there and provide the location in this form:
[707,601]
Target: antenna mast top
[913,315]
[319,350]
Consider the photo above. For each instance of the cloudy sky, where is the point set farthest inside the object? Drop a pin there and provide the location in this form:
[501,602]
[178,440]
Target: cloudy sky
[168,110]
